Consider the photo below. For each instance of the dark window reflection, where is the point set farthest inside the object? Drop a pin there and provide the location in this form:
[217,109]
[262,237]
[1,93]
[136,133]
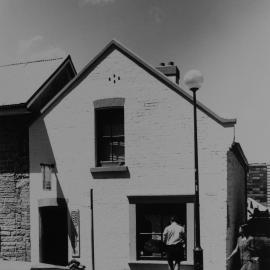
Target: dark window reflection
[151,221]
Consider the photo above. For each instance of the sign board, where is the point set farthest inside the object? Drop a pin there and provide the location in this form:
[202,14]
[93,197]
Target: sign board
[75,218]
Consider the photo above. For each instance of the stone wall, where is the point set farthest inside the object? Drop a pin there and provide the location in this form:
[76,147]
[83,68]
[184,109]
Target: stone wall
[14,189]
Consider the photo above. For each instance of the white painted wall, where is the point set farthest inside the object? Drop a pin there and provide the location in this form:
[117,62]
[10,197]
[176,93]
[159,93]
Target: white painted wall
[159,155]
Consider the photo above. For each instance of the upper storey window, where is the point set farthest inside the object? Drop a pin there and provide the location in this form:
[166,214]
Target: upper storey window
[110,136]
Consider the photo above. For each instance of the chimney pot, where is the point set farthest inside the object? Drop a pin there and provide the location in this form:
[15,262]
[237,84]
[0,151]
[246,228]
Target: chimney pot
[170,70]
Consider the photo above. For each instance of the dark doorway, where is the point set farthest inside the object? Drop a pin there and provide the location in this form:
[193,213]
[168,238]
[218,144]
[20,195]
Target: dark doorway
[53,235]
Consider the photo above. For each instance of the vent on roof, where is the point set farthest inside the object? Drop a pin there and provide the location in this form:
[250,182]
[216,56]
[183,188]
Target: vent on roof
[170,70]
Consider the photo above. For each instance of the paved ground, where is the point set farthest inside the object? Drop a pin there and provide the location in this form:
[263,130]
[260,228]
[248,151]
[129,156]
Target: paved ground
[15,265]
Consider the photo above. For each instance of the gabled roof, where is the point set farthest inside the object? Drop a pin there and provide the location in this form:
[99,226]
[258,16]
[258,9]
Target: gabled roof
[19,81]
[23,84]
[115,45]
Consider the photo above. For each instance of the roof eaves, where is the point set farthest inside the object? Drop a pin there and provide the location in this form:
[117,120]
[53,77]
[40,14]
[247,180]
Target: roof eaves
[14,109]
[81,75]
[68,59]
[42,88]
[153,71]
[159,75]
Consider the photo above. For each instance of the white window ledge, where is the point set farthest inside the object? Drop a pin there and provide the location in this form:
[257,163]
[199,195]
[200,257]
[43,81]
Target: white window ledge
[109,169]
[157,265]
[109,172]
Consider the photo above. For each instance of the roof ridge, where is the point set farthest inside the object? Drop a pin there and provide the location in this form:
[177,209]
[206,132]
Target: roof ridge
[33,61]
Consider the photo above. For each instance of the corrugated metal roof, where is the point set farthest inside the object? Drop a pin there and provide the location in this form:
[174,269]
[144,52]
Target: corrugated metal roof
[252,204]
[19,81]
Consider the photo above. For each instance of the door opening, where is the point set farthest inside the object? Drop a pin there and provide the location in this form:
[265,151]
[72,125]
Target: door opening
[53,235]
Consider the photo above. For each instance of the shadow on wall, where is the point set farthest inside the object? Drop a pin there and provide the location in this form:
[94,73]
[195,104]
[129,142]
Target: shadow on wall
[42,152]
[72,232]
[56,227]
[14,145]
[40,148]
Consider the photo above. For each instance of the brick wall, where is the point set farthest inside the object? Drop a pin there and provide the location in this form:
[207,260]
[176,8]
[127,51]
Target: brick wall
[14,189]
[257,183]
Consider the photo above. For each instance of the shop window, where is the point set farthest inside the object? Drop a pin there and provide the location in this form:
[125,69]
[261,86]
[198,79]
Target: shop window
[110,139]
[151,219]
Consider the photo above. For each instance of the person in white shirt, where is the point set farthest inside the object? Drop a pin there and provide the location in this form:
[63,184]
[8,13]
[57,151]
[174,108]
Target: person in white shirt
[174,239]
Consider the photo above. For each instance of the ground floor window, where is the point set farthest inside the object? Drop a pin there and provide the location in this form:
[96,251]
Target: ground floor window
[151,221]
[148,217]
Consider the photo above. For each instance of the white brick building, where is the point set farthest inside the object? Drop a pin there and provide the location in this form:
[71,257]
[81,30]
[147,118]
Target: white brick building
[102,190]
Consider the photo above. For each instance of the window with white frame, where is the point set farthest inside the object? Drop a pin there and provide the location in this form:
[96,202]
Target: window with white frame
[149,215]
[110,137]
[151,222]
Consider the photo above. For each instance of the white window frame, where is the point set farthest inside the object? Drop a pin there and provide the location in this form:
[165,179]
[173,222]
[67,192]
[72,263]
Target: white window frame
[134,200]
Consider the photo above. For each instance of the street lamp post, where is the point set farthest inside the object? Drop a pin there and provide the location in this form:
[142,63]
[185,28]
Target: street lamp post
[194,79]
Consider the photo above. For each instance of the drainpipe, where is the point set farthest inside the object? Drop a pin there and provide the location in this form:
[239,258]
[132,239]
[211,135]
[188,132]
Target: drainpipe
[92,229]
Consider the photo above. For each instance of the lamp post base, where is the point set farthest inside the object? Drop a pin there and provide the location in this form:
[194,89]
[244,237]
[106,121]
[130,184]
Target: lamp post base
[198,258]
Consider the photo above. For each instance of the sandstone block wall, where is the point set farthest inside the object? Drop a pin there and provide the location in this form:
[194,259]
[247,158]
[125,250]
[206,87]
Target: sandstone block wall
[14,189]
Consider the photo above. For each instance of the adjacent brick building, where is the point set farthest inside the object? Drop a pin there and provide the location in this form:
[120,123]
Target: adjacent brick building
[22,84]
[258,184]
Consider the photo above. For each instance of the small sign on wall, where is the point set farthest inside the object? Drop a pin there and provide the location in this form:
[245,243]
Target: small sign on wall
[47,170]
[75,230]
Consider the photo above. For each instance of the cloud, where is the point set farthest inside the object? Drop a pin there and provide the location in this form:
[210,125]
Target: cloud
[156,14]
[52,52]
[95,2]
[36,48]
[25,45]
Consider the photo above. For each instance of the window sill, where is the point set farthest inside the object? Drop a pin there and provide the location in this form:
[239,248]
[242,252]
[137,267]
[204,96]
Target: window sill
[157,265]
[110,172]
[109,169]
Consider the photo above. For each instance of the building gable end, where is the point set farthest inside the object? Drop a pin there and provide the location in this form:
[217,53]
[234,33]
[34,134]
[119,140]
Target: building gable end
[114,45]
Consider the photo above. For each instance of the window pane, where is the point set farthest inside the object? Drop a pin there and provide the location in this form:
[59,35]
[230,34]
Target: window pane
[105,149]
[104,122]
[150,246]
[118,149]
[110,136]
[105,130]
[117,123]
[151,221]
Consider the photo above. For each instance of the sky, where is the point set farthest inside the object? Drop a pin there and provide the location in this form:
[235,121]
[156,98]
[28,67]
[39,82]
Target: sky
[228,41]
